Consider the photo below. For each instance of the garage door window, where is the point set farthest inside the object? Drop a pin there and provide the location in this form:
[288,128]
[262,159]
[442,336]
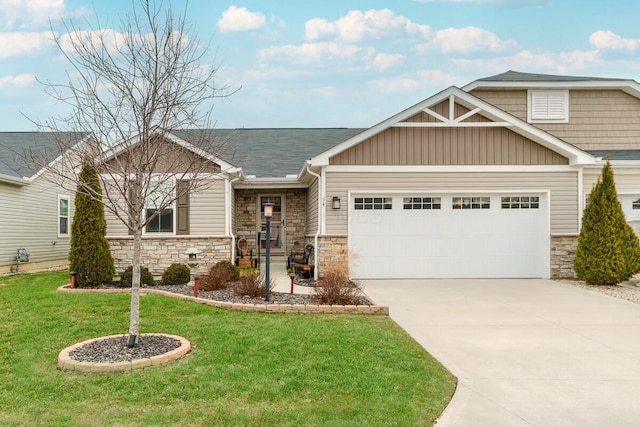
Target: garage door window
[521,202]
[635,204]
[416,203]
[372,203]
[471,203]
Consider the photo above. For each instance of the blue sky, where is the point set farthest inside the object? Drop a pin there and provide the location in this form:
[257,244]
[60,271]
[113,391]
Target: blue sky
[338,63]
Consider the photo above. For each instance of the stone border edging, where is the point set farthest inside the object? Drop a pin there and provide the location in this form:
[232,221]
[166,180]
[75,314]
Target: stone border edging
[379,310]
[66,363]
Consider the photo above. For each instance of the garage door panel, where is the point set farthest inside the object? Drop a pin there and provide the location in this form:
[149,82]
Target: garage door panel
[449,242]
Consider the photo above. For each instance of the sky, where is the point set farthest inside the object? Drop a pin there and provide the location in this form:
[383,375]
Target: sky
[334,63]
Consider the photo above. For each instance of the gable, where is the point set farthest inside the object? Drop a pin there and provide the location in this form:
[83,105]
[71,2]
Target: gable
[448,146]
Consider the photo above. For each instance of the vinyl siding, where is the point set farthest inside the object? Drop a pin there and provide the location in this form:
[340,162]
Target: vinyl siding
[563,187]
[627,181]
[30,221]
[598,119]
[207,211]
[448,146]
[312,208]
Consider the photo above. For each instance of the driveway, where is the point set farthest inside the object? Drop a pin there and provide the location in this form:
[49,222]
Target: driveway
[526,352]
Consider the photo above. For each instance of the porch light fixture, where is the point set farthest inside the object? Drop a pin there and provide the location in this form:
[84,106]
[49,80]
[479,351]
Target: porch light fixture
[268,213]
[335,202]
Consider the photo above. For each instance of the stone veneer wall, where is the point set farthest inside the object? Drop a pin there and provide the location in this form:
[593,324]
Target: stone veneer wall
[330,248]
[563,252]
[160,253]
[295,217]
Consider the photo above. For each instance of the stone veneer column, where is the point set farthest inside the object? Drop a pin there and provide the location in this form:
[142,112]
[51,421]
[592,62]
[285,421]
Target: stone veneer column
[563,252]
[160,253]
[330,248]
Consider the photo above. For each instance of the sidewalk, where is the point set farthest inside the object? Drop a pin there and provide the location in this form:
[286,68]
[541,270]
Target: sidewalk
[280,278]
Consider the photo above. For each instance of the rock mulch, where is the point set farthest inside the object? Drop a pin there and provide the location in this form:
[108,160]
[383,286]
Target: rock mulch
[115,349]
[627,290]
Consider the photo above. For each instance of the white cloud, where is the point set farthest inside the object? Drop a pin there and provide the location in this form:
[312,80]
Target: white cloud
[610,40]
[465,40]
[315,53]
[112,40]
[20,44]
[500,2]
[19,81]
[562,62]
[32,13]
[240,19]
[438,78]
[397,85]
[385,61]
[357,26]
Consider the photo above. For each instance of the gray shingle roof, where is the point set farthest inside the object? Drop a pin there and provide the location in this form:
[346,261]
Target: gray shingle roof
[15,146]
[515,76]
[273,152]
[617,154]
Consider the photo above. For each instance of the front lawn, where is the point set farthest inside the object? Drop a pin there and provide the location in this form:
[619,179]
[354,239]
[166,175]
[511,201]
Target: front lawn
[245,368]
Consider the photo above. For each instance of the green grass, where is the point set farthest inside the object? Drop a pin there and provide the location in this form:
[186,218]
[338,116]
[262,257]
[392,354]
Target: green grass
[252,369]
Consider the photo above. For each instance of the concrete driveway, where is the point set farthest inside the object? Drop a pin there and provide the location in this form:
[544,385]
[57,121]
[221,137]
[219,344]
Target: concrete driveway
[525,352]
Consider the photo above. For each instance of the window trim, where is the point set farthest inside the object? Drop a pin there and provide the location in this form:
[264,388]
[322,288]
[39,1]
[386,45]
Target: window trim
[68,216]
[532,94]
[171,206]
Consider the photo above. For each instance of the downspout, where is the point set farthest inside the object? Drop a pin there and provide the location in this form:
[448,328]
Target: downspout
[320,215]
[227,224]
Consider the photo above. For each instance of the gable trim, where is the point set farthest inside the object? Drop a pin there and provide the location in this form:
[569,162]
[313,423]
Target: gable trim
[573,154]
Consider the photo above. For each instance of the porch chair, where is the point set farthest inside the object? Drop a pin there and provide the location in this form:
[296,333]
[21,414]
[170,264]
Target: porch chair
[302,261]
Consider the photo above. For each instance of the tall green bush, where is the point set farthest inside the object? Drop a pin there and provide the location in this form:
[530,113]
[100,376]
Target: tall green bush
[608,249]
[90,255]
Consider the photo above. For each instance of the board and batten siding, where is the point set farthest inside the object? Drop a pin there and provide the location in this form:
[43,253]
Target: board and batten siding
[206,213]
[30,221]
[448,146]
[563,187]
[312,209]
[598,119]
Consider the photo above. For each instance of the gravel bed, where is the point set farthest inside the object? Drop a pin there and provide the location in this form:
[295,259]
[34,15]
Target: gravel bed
[626,290]
[114,349]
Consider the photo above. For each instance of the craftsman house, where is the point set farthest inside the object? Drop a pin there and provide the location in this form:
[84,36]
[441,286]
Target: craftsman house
[484,181]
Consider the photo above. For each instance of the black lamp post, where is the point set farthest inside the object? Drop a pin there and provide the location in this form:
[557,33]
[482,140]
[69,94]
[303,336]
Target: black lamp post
[268,213]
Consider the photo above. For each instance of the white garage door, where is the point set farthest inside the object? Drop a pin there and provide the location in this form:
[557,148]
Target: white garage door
[449,236]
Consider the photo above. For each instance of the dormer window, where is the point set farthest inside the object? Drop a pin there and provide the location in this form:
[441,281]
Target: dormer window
[548,106]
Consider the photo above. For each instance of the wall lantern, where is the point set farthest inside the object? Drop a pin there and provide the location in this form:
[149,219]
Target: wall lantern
[335,202]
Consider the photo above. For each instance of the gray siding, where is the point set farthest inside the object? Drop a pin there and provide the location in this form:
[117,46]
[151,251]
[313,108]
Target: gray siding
[563,187]
[30,221]
[598,119]
[448,146]
[312,208]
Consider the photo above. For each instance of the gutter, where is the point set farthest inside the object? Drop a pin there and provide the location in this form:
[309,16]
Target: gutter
[14,180]
[320,221]
[227,225]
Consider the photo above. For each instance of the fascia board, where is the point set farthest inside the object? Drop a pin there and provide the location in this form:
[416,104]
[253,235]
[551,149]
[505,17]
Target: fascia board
[630,86]
[57,159]
[14,180]
[225,166]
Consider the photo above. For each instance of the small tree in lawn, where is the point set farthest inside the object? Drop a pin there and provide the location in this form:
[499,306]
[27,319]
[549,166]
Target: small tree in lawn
[90,255]
[608,250]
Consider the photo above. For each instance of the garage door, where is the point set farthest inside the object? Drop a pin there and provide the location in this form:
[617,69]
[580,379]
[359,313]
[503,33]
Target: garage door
[449,235]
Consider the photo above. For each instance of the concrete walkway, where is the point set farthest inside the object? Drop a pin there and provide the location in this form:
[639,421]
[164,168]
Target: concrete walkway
[525,352]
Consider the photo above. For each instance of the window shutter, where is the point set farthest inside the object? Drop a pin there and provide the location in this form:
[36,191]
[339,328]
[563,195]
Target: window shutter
[182,207]
[549,105]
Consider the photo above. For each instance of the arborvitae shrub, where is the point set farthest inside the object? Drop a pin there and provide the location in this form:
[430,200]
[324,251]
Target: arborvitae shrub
[176,274]
[89,254]
[146,278]
[607,251]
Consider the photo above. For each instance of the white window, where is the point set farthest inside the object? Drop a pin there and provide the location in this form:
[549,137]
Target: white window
[372,203]
[548,106]
[471,203]
[415,203]
[63,216]
[164,220]
[521,202]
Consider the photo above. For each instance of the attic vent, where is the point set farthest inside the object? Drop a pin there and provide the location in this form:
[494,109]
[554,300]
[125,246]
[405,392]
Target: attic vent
[548,106]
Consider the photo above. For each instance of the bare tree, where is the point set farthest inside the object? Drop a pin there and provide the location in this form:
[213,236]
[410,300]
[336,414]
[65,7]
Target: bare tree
[127,90]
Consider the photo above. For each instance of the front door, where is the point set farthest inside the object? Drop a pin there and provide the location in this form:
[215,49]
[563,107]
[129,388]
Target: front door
[277,221]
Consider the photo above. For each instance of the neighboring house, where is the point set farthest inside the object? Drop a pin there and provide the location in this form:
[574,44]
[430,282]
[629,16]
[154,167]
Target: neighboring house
[37,213]
[484,181]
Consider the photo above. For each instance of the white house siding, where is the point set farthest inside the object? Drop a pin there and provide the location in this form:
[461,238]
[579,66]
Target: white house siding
[563,187]
[312,209]
[207,211]
[30,221]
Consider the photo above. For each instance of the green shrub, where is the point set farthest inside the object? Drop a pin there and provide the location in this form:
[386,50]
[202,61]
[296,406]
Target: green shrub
[608,250]
[249,271]
[234,271]
[89,253]
[176,274]
[146,278]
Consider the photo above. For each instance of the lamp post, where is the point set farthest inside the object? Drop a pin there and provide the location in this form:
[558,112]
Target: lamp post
[268,213]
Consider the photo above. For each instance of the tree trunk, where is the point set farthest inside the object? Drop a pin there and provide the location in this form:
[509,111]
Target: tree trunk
[134,316]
